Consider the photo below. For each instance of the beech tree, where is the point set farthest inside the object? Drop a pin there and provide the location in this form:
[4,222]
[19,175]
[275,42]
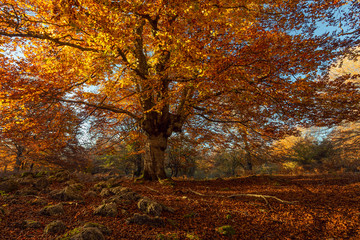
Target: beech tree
[196,67]
[31,126]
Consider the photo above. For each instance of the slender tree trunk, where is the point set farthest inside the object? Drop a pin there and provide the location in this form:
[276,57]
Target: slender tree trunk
[138,165]
[248,157]
[154,162]
[19,157]
[249,165]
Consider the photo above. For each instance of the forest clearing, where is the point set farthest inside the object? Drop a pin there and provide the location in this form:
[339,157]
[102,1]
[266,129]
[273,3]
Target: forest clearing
[285,207]
[239,119]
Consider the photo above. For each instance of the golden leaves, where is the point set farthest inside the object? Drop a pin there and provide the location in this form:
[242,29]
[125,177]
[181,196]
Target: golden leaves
[222,60]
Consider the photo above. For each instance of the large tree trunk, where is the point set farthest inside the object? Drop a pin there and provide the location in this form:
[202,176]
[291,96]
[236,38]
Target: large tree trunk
[154,162]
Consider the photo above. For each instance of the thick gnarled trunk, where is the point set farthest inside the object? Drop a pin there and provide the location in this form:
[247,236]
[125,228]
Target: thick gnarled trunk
[154,162]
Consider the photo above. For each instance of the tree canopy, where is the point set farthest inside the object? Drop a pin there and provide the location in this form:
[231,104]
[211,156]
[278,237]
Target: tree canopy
[199,67]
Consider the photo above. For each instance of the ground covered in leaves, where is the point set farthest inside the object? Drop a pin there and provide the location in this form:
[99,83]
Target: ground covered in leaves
[253,207]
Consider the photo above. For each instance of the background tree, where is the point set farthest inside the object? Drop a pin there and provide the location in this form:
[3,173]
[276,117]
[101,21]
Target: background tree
[191,66]
[345,139]
[182,156]
[312,150]
[35,130]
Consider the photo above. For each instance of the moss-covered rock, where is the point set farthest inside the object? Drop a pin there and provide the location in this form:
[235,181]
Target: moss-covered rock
[9,186]
[118,200]
[41,174]
[27,192]
[77,186]
[38,201]
[152,207]
[99,186]
[89,233]
[27,174]
[109,209]
[105,192]
[113,182]
[66,194]
[62,176]
[55,227]
[145,219]
[226,230]
[4,212]
[91,194]
[119,190]
[41,183]
[105,230]
[69,234]
[125,193]
[30,224]
[53,210]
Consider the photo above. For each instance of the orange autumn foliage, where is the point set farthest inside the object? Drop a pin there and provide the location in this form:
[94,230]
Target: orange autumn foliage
[181,66]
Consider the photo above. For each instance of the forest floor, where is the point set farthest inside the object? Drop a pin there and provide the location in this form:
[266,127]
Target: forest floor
[253,207]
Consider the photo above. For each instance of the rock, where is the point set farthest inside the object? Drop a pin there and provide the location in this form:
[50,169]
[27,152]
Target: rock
[66,194]
[9,186]
[55,227]
[41,174]
[81,176]
[226,230]
[99,186]
[113,182]
[105,192]
[108,209]
[89,233]
[26,192]
[38,201]
[41,183]
[30,224]
[152,207]
[27,174]
[77,186]
[4,212]
[125,193]
[120,190]
[26,181]
[91,194]
[53,210]
[117,200]
[145,219]
[62,176]
[83,233]
[102,228]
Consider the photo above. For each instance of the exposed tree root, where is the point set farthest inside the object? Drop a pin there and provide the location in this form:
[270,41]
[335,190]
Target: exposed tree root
[260,196]
[265,197]
[152,189]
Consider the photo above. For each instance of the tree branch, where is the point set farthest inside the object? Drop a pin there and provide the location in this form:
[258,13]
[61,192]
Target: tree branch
[47,37]
[102,106]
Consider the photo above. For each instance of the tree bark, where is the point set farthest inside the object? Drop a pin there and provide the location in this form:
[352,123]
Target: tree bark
[19,157]
[139,165]
[154,162]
